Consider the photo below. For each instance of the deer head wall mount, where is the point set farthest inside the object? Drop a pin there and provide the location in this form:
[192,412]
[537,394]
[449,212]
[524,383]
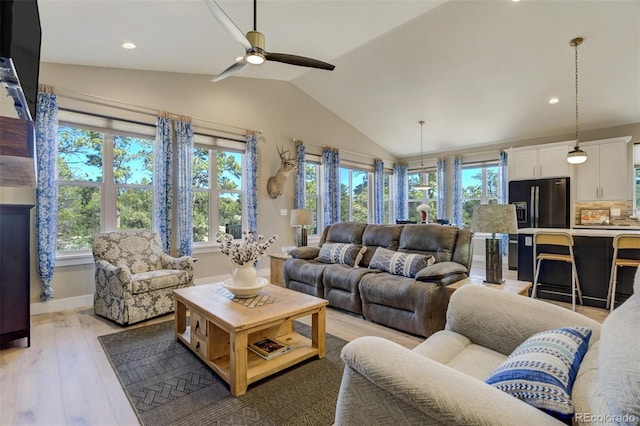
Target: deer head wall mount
[276,183]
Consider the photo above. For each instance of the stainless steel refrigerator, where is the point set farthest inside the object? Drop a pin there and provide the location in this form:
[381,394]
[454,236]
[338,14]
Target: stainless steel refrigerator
[540,203]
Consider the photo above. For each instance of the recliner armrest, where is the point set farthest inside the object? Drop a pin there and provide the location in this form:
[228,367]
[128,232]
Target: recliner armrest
[444,395]
[107,274]
[438,272]
[306,253]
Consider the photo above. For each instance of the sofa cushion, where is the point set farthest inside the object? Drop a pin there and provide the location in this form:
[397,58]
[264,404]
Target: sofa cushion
[541,371]
[343,232]
[429,239]
[399,263]
[344,254]
[155,280]
[374,236]
[458,352]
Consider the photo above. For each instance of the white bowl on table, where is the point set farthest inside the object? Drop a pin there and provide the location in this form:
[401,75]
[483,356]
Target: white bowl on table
[246,292]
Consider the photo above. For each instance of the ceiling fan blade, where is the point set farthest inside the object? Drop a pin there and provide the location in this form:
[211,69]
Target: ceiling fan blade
[231,70]
[228,24]
[298,60]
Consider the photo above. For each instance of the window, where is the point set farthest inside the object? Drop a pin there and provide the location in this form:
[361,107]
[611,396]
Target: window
[217,207]
[105,183]
[428,197]
[354,195]
[479,186]
[312,194]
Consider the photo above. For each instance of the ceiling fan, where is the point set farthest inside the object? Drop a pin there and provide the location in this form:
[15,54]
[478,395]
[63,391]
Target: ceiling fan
[253,44]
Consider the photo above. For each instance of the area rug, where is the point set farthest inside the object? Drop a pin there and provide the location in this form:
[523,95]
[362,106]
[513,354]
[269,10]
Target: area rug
[168,385]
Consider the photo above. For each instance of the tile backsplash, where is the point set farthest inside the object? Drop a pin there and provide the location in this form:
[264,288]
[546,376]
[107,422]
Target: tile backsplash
[626,211]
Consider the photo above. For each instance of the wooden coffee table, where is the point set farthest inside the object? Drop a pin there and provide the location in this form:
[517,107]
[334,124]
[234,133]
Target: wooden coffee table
[220,330]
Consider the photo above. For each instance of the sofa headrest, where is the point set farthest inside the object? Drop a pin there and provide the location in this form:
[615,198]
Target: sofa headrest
[430,239]
[387,236]
[344,232]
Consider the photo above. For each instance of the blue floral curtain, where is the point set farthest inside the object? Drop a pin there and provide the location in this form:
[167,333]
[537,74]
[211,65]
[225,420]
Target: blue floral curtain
[331,184]
[401,200]
[301,191]
[503,196]
[441,167]
[378,196]
[163,180]
[457,192]
[251,159]
[46,222]
[184,154]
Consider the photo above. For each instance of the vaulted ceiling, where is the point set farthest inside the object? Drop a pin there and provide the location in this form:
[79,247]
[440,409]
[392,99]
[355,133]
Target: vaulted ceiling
[477,72]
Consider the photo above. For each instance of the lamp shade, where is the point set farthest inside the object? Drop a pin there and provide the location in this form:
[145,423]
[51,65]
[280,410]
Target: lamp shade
[494,218]
[301,217]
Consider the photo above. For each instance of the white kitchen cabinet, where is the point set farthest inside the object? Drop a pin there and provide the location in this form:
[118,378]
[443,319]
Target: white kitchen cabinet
[604,176]
[538,162]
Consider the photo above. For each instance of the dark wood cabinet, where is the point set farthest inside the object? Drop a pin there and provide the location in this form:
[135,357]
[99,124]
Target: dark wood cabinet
[15,226]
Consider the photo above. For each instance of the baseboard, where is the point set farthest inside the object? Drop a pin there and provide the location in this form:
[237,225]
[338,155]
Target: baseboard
[56,305]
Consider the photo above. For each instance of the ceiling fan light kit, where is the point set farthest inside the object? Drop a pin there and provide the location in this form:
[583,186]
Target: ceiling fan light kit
[576,156]
[253,43]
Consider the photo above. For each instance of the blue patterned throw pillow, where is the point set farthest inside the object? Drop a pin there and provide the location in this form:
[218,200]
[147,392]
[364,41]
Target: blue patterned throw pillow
[346,254]
[541,371]
[399,263]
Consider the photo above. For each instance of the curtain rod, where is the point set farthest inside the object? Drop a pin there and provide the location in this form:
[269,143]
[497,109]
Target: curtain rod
[347,151]
[142,123]
[67,93]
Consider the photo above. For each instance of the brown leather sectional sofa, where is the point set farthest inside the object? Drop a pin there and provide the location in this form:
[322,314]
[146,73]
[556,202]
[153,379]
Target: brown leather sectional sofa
[416,304]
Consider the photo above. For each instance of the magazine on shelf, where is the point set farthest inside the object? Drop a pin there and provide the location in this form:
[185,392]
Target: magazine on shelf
[268,348]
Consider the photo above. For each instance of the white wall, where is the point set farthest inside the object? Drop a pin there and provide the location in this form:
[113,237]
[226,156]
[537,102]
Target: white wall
[279,109]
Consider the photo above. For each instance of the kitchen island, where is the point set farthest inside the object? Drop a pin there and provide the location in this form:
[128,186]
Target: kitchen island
[593,252]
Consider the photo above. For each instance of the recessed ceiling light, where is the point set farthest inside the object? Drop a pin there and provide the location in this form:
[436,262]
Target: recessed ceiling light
[554,101]
[128,45]
[515,1]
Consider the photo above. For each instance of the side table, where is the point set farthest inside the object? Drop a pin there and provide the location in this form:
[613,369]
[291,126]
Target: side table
[510,286]
[277,267]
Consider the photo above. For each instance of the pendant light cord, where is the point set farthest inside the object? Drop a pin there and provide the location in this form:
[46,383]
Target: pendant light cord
[576,48]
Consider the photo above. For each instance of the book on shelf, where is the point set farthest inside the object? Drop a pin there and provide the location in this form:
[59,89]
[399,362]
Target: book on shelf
[268,348]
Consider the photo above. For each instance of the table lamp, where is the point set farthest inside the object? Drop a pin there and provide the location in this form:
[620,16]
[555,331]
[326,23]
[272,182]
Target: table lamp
[496,219]
[300,219]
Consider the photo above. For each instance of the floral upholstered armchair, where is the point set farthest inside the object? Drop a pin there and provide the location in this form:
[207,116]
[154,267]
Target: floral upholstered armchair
[134,278]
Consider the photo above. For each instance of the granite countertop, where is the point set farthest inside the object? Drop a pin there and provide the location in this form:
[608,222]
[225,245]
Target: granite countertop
[586,231]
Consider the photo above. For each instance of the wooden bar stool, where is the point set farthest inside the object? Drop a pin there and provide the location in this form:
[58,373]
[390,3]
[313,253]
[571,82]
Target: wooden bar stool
[621,241]
[563,239]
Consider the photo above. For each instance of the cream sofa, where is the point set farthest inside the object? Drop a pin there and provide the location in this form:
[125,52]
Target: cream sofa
[134,278]
[441,381]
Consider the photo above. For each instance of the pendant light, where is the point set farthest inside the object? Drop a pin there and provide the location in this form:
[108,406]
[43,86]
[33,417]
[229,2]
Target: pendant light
[577,156]
[424,185]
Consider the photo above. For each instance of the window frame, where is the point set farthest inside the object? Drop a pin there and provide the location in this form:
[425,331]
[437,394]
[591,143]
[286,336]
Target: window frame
[214,193]
[107,186]
[484,197]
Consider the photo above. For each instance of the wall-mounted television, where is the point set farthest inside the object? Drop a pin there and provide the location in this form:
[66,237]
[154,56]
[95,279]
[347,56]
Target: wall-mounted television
[20,35]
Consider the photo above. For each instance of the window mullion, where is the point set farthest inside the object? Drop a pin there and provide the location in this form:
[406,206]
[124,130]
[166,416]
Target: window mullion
[109,205]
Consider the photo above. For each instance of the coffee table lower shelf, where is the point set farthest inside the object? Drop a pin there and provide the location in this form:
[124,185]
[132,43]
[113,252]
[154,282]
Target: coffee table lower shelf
[257,367]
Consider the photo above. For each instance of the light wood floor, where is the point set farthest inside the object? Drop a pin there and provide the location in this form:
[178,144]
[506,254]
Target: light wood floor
[64,378]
